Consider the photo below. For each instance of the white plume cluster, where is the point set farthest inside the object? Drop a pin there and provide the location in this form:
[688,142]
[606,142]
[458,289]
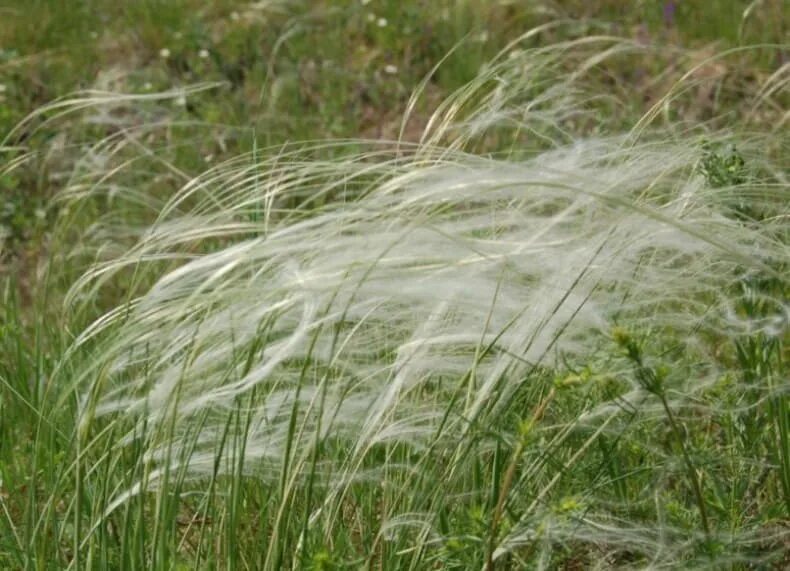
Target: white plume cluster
[398,294]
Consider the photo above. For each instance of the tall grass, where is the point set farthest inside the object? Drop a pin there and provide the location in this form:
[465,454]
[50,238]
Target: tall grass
[415,355]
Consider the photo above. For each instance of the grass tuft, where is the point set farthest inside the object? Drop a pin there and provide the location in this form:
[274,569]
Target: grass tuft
[533,338]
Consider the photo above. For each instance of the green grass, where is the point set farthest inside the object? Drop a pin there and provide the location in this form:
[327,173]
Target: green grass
[664,441]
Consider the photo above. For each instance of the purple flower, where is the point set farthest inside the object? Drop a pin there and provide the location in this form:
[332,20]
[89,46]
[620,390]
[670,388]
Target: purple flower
[669,12]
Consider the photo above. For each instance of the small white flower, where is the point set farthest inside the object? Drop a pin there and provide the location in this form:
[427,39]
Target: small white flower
[40,213]
[381,22]
[148,86]
[3,88]
[371,17]
[164,53]
[364,2]
[203,54]
[208,158]
[181,100]
[390,69]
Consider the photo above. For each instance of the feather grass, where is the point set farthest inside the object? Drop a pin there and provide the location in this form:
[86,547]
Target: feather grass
[324,323]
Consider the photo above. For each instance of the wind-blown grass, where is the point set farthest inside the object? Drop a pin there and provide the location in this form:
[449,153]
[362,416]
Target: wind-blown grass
[425,354]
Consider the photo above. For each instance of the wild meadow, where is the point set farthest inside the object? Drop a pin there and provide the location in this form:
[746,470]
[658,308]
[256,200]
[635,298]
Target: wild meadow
[380,284]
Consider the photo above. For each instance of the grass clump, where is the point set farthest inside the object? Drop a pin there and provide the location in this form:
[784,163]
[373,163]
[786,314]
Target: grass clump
[531,339]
